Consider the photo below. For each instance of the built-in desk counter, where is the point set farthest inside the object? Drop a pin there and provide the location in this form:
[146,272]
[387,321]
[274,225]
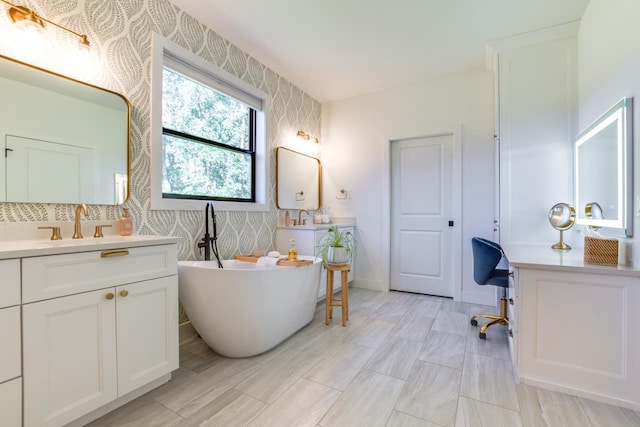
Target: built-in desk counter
[530,256]
[575,326]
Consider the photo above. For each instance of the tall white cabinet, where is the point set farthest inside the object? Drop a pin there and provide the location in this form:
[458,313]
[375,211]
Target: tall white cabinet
[536,79]
[99,323]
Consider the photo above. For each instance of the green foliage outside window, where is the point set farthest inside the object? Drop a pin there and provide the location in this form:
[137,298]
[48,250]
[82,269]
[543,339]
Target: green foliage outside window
[207,149]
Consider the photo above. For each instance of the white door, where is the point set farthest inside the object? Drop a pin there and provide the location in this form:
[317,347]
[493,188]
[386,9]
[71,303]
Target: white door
[147,331]
[422,208]
[47,172]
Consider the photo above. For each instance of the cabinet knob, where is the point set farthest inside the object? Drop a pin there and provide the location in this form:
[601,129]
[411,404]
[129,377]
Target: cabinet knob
[511,333]
[511,274]
[511,301]
[110,295]
[124,293]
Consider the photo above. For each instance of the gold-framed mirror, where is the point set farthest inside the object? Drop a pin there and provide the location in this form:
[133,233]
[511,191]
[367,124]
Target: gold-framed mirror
[298,180]
[64,141]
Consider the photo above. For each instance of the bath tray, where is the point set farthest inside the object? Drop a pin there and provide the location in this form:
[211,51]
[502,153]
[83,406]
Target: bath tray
[296,263]
[283,262]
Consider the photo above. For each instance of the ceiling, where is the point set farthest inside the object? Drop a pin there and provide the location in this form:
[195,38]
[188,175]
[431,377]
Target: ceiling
[336,49]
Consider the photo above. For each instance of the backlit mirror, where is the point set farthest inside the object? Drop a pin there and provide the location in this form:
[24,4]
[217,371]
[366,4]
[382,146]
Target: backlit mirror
[603,171]
[297,180]
[63,141]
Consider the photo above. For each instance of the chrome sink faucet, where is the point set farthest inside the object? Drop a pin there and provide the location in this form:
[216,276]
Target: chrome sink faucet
[300,215]
[77,230]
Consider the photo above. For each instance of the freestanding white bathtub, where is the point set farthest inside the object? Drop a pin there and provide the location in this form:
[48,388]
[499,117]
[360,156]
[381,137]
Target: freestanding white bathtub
[245,309]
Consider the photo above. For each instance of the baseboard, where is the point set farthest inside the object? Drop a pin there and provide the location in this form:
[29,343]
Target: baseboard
[186,331]
[610,400]
[480,298]
[374,285]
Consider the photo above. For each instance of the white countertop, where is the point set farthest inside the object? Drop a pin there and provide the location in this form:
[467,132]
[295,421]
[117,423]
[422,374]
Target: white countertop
[543,257]
[340,222]
[30,248]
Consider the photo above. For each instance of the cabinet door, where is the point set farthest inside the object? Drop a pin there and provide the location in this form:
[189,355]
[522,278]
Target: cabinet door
[147,331]
[10,358]
[11,403]
[69,366]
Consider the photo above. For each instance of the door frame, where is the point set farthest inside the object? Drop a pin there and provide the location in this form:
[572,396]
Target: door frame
[456,246]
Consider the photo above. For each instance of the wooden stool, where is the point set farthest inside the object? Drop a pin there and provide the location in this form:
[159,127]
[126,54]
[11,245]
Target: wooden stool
[330,301]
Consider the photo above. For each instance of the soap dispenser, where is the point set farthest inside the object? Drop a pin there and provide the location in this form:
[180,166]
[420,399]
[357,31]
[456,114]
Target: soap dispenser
[125,223]
[293,252]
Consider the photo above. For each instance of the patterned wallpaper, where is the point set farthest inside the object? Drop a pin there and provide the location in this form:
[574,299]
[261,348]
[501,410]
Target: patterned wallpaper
[120,36]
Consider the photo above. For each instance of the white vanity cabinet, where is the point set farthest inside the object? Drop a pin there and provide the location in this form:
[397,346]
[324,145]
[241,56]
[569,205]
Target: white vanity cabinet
[10,354]
[99,327]
[307,240]
[576,326]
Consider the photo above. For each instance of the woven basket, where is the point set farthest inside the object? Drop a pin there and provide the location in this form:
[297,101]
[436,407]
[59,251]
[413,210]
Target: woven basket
[600,251]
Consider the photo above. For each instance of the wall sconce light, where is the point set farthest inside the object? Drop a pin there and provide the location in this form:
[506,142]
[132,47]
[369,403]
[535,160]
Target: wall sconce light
[31,21]
[302,134]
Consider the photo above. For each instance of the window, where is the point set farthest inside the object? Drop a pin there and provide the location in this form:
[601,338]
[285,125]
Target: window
[208,135]
[208,141]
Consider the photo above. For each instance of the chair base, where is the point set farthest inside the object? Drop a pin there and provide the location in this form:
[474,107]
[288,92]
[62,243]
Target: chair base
[502,319]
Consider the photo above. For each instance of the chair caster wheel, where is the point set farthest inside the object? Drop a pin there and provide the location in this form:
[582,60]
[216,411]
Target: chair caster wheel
[482,335]
[474,322]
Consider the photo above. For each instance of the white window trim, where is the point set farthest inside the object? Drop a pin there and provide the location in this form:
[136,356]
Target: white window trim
[160,46]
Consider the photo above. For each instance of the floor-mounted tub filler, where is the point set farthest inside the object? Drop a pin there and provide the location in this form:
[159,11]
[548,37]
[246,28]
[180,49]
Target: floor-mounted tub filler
[245,308]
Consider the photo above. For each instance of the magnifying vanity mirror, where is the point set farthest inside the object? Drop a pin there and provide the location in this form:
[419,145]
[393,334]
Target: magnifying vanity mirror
[63,141]
[561,217]
[297,180]
[603,171]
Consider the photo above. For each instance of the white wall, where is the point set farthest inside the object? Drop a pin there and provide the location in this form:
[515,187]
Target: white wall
[608,69]
[355,156]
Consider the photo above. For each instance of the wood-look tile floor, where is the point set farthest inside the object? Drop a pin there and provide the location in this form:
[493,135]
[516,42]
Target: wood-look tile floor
[404,360]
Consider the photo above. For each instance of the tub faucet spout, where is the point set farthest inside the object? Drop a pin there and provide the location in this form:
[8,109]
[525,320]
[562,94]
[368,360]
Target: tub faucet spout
[206,240]
[208,243]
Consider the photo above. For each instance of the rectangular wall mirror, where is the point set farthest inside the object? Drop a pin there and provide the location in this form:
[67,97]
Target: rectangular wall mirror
[297,180]
[603,171]
[63,141]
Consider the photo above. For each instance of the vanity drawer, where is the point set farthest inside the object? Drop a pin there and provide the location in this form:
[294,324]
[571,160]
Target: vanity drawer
[10,288]
[59,275]
[10,357]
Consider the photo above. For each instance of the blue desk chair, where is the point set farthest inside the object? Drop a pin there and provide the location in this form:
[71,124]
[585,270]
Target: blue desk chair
[486,257]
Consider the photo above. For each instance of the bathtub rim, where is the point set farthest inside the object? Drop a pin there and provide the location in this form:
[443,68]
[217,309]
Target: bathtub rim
[228,264]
